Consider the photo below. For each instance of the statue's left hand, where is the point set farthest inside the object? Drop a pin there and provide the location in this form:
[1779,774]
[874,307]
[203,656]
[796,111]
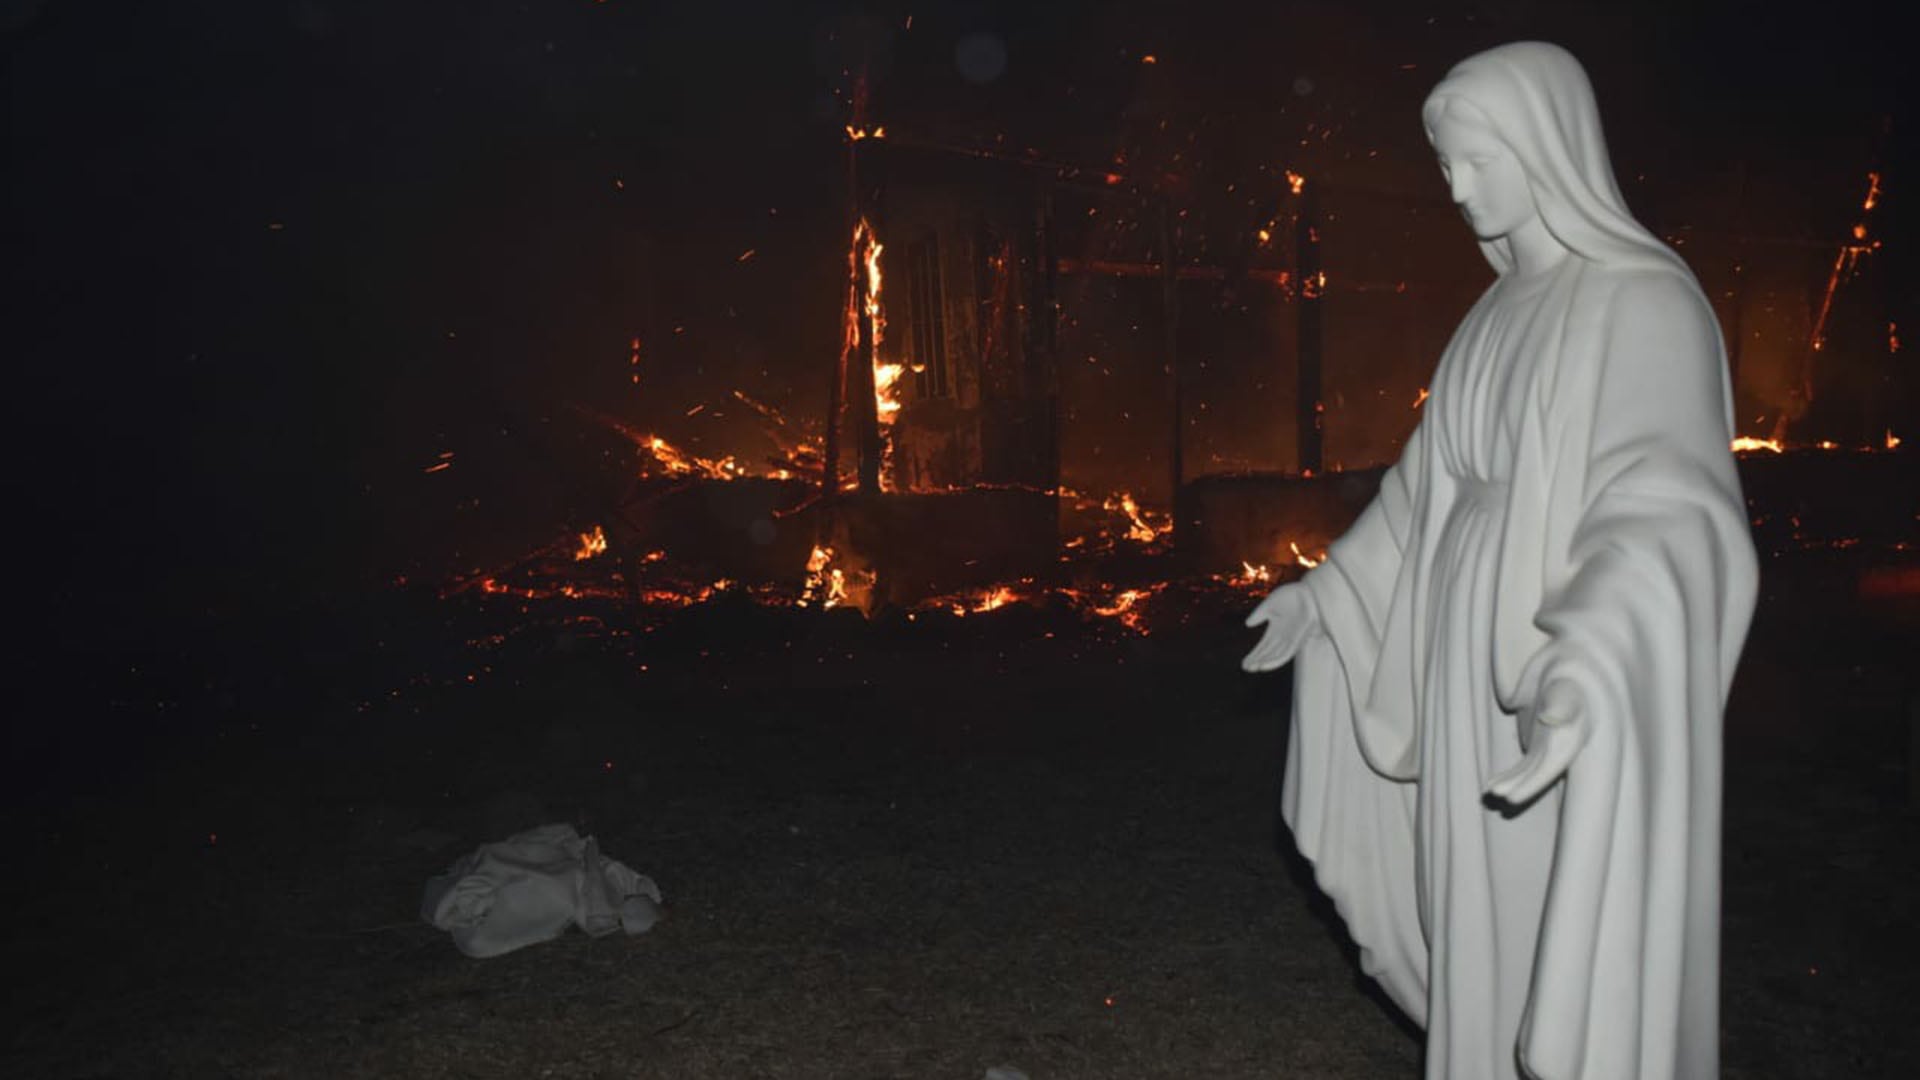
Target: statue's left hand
[1553,731]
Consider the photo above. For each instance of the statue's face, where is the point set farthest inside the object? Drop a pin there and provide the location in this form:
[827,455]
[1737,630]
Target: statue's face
[1483,176]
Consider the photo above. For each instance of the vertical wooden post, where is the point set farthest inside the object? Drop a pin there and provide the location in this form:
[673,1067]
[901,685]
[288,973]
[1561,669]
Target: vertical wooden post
[1309,330]
[837,392]
[866,412]
[1042,378]
[836,402]
[1170,302]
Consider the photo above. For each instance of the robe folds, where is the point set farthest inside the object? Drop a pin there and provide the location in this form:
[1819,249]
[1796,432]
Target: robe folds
[1566,511]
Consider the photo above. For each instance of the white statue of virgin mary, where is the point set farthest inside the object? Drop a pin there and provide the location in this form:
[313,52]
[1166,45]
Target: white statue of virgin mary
[1511,672]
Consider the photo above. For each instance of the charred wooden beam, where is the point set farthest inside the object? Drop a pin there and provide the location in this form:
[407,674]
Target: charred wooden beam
[1170,293]
[836,403]
[1121,268]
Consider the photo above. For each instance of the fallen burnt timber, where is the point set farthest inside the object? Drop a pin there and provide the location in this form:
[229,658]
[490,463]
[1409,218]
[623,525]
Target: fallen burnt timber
[678,541]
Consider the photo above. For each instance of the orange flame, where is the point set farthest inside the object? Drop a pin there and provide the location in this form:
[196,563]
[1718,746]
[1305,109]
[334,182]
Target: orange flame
[1251,575]
[1422,398]
[1139,528]
[591,544]
[830,586]
[826,585]
[1295,182]
[863,256]
[886,400]
[1748,443]
[1893,441]
[886,375]
[1304,559]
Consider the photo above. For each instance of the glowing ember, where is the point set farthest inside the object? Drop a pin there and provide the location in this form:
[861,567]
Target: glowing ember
[678,462]
[1893,441]
[673,461]
[1139,528]
[1748,443]
[1295,182]
[1304,559]
[591,544]
[986,600]
[1123,608]
[674,597]
[1422,398]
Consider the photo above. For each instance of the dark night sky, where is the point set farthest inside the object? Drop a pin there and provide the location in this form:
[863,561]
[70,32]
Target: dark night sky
[271,258]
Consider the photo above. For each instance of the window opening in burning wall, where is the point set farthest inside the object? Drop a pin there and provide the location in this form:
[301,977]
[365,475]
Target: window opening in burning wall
[930,375]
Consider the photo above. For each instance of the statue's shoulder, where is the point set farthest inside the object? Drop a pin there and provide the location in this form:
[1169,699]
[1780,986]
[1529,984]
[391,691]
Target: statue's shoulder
[1656,294]
[1635,280]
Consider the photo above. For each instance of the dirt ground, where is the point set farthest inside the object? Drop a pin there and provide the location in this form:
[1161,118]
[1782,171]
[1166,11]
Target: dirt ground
[889,850]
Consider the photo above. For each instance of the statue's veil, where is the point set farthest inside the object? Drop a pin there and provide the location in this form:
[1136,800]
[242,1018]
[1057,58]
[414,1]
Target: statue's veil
[1540,103]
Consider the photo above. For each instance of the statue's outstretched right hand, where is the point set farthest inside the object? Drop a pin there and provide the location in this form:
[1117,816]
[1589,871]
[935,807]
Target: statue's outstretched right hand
[1289,615]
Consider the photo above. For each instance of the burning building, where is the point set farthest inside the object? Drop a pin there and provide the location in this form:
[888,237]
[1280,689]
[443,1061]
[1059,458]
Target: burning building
[1240,356]
[970,320]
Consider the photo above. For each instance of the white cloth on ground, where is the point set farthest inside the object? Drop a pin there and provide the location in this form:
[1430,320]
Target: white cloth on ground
[527,888]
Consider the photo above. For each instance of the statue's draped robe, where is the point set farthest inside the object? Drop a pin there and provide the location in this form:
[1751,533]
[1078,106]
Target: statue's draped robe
[1567,509]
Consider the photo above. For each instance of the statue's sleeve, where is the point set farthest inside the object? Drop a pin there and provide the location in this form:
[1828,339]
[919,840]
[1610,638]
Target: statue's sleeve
[1645,610]
[1352,823]
[1354,587]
